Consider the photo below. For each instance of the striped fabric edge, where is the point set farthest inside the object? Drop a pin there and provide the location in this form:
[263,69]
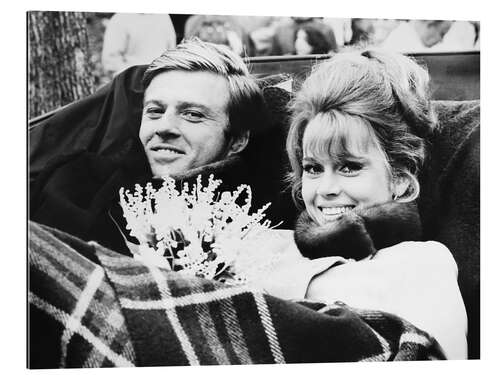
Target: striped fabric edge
[211,335]
[170,302]
[234,331]
[269,328]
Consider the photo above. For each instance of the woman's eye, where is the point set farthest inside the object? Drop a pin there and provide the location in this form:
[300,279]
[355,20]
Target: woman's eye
[312,168]
[350,168]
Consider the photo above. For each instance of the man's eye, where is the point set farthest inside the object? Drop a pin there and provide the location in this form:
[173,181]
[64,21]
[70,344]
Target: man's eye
[312,169]
[154,112]
[193,116]
[350,168]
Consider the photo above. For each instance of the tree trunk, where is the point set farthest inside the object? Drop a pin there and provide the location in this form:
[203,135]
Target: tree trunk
[60,70]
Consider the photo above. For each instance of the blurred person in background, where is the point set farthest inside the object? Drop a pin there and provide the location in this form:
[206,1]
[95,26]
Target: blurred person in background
[461,36]
[219,30]
[371,32]
[310,40]
[285,36]
[477,29]
[416,35]
[341,28]
[135,39]
[260,30]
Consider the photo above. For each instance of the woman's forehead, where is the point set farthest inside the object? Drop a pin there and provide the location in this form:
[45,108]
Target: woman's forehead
[326,137]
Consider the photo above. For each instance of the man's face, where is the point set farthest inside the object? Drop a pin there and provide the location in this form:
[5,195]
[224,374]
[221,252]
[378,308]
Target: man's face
[184,121]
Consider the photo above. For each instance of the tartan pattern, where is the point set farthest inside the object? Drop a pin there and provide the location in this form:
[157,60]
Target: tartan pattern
[92,307]
[73,293]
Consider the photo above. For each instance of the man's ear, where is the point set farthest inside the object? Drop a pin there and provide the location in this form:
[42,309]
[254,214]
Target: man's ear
[238,144]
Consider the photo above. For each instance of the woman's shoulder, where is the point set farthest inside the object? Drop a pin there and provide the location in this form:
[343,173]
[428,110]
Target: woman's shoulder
[431,254]
[271,261]
[424,247]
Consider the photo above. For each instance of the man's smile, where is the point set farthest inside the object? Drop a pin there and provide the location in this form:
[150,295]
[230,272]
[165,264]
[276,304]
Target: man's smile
[164,148]
[163,153]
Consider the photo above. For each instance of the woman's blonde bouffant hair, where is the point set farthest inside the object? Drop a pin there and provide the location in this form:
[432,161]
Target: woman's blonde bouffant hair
[386,91]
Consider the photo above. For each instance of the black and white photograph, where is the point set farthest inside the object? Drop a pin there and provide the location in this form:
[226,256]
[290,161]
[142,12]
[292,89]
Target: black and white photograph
[230,189]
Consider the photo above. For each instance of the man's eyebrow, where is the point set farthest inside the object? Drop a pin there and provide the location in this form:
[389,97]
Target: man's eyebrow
[184,105]
[152,101]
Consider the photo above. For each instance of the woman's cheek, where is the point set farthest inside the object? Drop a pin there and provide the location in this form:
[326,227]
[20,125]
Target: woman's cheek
[308,195]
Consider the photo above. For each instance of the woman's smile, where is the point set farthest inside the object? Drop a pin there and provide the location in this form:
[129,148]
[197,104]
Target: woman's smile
[331,213]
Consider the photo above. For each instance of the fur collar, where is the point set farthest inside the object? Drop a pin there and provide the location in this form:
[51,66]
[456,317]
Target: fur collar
[230,170]
[219,169]
[358,233]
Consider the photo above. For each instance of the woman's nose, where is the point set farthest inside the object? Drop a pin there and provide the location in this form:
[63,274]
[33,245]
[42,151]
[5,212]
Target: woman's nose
[329,184]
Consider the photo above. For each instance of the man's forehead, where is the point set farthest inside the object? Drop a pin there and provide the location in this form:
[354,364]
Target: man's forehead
[204,88]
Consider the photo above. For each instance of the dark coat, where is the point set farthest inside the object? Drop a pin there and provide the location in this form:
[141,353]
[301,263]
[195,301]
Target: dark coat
[449,202]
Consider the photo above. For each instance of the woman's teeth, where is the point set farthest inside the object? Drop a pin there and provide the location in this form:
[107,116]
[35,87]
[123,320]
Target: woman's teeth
[332,211]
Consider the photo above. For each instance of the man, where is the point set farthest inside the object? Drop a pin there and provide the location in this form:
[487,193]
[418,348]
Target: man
[127,40]
[220,30]
[200,104]
[200,111]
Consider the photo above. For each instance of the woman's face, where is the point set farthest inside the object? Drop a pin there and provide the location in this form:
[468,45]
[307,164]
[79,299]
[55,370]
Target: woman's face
[331,187]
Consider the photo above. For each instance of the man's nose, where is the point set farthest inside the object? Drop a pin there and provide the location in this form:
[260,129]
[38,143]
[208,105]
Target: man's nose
[168,124]
[330,184]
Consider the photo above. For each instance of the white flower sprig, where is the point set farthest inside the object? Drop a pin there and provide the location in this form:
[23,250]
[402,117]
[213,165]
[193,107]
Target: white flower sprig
[194,231]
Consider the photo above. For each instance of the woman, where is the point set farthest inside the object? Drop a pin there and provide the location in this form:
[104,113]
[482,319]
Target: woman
[356,144]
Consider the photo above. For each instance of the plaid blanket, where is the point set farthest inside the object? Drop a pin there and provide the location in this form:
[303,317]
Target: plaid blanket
[92,307]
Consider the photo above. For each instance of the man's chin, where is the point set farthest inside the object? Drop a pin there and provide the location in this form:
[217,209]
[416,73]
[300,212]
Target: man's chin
[168,170]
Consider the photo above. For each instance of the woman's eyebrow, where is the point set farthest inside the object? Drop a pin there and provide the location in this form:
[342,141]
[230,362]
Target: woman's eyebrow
[338,159]
[309,159]
[351,157]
